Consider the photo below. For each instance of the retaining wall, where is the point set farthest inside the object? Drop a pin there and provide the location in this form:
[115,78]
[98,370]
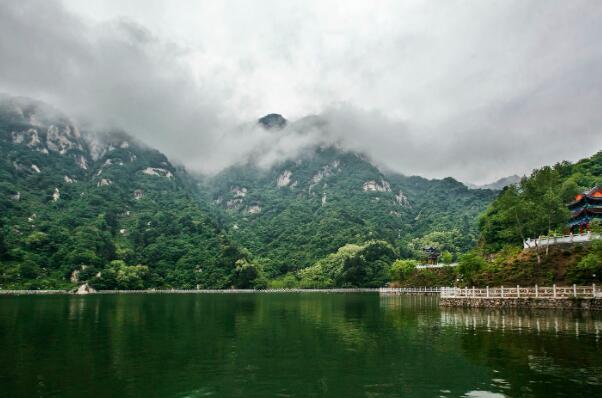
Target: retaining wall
[560,303]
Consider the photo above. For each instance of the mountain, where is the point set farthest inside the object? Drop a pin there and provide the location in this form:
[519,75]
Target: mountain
[78,206]
[272,121]
[497,185]
[297,211]
[104,209]
[537,205]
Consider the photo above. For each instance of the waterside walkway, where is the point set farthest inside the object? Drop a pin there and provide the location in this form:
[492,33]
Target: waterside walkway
[536,292]
[556,297]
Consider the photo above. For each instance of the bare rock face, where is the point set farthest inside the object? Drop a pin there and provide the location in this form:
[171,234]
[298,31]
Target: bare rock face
[323,199]
[62,140]
[375,186]
[324,172]
[402,200]
[284,179]
[29,137]
[255,209]
[68,180]
[159,172]
[138,194]
[234,204]
[238,192]
[56,195]
[104,182]
[75,275]
[59,140]
[82,162]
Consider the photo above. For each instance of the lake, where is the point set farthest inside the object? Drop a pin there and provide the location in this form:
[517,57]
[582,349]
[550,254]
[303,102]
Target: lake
[290,345]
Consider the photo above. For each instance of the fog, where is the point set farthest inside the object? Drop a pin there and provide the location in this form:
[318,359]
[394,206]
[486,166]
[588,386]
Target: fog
[474,90]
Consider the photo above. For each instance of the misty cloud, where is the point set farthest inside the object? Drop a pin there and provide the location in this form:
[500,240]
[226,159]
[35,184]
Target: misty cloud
[476,90]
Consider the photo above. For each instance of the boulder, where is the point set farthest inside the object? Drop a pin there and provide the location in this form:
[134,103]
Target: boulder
[85,289]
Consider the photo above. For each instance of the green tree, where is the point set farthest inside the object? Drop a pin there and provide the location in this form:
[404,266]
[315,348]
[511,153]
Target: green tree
[245,274]
[401,269]
[446,257]
[469,265]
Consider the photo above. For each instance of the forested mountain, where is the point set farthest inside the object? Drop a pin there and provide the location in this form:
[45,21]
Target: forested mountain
[106,209]
[300,210]
[537,205]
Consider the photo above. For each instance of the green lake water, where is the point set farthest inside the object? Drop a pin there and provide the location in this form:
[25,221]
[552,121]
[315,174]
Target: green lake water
[290,345]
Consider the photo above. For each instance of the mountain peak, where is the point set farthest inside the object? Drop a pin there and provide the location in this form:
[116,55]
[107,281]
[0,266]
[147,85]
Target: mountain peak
[272,121]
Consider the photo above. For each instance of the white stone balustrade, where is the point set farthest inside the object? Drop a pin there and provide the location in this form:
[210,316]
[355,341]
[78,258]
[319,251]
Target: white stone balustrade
[557,240]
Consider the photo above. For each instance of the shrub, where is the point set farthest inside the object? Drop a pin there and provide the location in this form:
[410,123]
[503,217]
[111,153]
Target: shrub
[401,269]
[469,265]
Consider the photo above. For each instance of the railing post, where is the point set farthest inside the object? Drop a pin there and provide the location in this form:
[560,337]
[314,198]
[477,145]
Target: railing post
[536,292]
[487,291]
[517,291]
[594,290]
[502,291]
[473,292]
[574,290]
[554,290]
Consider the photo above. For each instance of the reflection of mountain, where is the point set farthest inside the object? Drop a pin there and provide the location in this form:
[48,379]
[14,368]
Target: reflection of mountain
[298,345]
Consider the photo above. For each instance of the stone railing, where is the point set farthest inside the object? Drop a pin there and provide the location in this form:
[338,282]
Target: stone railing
[552,292]
[410,290]
[24,292]
[439,265]
[561,239]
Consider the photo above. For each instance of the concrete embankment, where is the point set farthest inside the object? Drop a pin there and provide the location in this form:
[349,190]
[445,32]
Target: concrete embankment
[551,303]
[554,297]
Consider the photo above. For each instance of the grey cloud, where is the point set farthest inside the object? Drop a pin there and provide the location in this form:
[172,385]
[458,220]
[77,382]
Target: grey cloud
[476,90]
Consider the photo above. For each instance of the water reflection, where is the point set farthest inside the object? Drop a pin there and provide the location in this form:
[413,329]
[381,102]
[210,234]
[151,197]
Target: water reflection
[558,322]
[529,353]
[515,320]
[309,345]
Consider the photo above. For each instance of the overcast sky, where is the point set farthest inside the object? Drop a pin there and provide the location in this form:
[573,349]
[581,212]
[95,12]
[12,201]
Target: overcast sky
[476,90]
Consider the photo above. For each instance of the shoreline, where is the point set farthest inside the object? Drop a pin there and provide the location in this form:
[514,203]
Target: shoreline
[184,291]
[578,304]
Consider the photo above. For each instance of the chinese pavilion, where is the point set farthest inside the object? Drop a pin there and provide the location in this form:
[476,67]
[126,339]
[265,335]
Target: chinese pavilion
[432,255]
[586,207]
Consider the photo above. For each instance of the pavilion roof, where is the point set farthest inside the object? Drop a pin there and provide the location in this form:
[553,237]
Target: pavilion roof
[594,194]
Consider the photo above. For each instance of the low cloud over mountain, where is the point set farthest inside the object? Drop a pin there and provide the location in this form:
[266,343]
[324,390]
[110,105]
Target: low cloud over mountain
[477,91]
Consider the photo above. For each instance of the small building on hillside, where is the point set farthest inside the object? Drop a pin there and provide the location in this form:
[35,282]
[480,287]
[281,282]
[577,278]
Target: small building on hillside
[586,207]
[432,255]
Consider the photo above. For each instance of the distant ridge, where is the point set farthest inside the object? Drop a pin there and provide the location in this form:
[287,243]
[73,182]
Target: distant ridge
[497,185]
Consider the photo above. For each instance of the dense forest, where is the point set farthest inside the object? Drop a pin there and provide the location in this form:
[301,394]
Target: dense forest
[110,211]
[106,210]
[534,207]
[295,213]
